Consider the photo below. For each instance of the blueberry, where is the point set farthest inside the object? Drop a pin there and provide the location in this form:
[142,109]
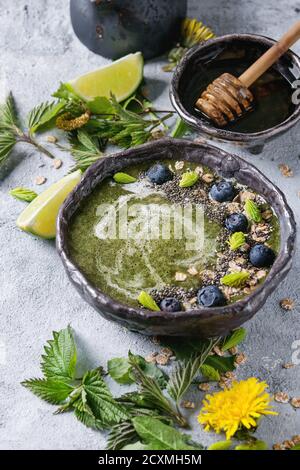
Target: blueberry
[170,304]
[236,223]
[223,191]
[159,174]
[211,296]
[261,256]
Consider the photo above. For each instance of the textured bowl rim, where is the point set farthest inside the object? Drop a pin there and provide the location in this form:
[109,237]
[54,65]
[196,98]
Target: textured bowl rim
[228,164]
[220,133]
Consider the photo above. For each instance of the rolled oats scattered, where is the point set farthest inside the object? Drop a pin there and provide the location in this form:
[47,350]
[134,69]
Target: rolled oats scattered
[296,439]
[289,365]
[151,358]
[218,351]
[233,351]
[204,387]
[281,397]
[208,178]
[295,402]
[192,271]
[244,195]
[188,404]
[180,276]
[179,165]
[261,274]
[167,351]
[278,446]
[57,163]
[240,359]
[162,359]
[285,170]
[40,180]
[193,301]
[51,139]
[288,444]
[287,304]
[199,170]
[267,214]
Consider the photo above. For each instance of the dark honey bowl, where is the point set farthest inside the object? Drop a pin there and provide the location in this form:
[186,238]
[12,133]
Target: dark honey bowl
[202,322]
[234,53]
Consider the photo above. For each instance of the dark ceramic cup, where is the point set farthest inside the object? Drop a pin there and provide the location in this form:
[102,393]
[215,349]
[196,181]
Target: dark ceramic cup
[114,28]
[197,59]
[204,322]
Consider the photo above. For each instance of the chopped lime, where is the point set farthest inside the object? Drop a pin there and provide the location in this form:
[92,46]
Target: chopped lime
[120,78]
[40,215]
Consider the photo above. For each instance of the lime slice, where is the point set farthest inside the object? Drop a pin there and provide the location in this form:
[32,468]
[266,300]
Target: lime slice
[40,215]
[121,78]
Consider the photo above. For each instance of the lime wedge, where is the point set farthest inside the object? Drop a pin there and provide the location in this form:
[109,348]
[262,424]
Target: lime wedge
[121,78]
[40,215]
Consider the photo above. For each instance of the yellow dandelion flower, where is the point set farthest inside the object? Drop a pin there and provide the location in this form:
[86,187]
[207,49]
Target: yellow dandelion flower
[237,407]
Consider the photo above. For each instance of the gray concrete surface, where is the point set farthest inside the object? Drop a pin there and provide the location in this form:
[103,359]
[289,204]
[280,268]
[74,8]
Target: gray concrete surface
[38,49]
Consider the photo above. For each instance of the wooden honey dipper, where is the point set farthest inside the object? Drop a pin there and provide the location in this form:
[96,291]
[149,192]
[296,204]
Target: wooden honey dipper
[228,98]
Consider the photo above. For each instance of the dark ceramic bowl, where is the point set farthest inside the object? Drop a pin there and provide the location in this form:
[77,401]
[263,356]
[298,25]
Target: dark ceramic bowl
[204,322]
[198,58]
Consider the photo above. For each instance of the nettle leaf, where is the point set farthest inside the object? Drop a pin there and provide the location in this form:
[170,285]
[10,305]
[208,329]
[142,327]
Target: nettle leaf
[148,302]
[188,179]
[121,371]
[184,348]
[210,372]
[160,436]
[88,420]
[8,114]
[236,337]
[23,194]
[42,114]
[85,149]
[221,363]
[185,372]
[7,143]
[100,105]
[236,240]
[235,279]
[252,211]
[52,391]
[123,178]
[100,401]
[220,445]
[121,435]
[59,360]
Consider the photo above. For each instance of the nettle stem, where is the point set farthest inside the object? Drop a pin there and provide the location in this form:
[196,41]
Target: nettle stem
[28,139]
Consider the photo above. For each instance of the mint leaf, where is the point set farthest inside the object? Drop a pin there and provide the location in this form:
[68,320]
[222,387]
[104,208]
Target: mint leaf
[52,391]
[119,370]
[252,211]
[210,372]
[123,178]
[236,240]
[220,363]
[23,194]
[236,279]
[100,401]
[59,360]
[236,337]
[148,302]
[188,179]
[160,436]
